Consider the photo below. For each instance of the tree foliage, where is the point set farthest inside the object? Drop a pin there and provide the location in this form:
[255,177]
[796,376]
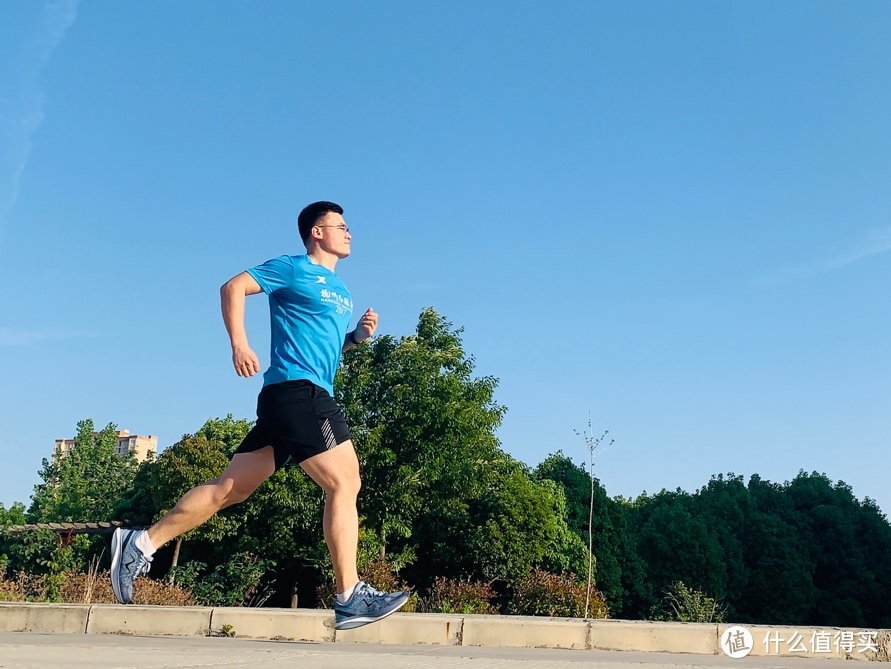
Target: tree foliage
[802,552]
[439,494]
[85,484]
[191,461]
[420,421]
[442,500]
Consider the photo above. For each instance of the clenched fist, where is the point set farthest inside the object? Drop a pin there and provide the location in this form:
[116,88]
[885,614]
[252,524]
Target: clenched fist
[366,326]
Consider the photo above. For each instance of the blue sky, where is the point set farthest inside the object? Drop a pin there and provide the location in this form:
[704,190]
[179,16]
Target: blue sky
[674,216]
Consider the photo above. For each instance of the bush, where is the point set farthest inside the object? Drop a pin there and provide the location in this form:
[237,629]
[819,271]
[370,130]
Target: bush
[688,605]
[22,587]
[93,587]
[453,596]
[541,593]
[236,582]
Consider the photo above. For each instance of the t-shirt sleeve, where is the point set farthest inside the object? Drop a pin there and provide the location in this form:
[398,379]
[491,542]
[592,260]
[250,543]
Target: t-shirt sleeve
[274,274]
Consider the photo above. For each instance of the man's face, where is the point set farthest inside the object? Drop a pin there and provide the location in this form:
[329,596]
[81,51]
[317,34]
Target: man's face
[334,235]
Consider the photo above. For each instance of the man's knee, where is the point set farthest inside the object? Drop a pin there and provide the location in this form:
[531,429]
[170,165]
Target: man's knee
[236,497]
[346,483]
[226,492]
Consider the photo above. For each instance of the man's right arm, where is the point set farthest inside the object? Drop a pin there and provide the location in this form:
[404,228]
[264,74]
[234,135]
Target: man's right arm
[232,297]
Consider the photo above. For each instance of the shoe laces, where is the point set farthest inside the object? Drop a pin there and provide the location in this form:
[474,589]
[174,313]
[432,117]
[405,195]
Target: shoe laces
[143,564]
[374,592]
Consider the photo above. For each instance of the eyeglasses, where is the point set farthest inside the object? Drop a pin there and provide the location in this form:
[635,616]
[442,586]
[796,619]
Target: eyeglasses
[343,228]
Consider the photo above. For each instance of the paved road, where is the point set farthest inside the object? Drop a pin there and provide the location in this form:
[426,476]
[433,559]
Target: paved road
[53,651]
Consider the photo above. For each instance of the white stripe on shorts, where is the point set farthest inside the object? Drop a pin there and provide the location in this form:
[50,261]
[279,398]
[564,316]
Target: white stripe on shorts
[328,434]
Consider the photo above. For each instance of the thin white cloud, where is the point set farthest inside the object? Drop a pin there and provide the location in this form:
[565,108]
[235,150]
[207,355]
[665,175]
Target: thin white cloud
[23,337]
[23,106]
[874,242]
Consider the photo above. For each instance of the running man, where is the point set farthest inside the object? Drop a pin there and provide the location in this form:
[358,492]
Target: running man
[297,418]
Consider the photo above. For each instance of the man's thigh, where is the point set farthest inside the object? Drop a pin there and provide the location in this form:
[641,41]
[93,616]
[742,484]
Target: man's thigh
[246,471]
[333,467]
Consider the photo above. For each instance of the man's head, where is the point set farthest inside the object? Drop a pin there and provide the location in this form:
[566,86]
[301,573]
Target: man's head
[321,224]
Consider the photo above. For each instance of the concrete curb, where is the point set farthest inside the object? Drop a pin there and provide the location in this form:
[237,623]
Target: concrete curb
[57,618]
[663,637]
[317,625]
[149,620]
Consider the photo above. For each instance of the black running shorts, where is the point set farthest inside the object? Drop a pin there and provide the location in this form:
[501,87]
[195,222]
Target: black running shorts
[298,419]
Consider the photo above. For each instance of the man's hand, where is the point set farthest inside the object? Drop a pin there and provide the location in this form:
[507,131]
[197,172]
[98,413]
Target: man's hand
[367,325]
[245,361]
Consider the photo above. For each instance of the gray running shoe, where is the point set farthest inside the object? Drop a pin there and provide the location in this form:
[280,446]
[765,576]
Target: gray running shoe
[366,605]
[127,563]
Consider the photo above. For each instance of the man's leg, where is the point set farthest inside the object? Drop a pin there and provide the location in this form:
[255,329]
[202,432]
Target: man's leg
[336,471]
[244,474]
[131,550]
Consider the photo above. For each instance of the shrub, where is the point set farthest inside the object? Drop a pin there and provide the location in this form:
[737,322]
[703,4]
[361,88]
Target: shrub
[22,587]
[454,596]
[151,591]
[93,587]
[688,605]
[541,593]
[236,582]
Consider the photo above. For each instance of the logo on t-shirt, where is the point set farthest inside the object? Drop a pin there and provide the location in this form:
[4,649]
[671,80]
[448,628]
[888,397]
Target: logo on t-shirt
[320,279]
[343,304]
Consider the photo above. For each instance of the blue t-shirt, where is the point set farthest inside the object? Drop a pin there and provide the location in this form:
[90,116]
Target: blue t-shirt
[310,310]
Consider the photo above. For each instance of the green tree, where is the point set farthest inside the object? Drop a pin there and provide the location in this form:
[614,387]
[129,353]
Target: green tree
[10,544]
[575,482]
[191,461]
[440,497]
[727,509]
[282,521]
[608,534]
[14,515]
[675,543]
[421,424]
[780,589]
[86,484]
[847,571]
[518,523]
[228,431]
[137,505]
[158,484]
[873,534]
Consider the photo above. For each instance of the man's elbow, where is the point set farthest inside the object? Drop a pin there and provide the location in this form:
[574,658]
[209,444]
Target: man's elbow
[232,288]
[240,285]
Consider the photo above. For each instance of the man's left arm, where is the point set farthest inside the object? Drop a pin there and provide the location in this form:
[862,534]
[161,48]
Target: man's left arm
[364,329]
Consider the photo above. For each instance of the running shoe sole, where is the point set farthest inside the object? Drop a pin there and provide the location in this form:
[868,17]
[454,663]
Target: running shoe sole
[116,550]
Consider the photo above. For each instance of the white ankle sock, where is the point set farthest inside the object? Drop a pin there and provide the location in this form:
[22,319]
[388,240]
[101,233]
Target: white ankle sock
[144,544]
[344,597]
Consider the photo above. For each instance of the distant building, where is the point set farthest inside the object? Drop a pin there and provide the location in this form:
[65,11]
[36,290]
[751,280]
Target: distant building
[141,446]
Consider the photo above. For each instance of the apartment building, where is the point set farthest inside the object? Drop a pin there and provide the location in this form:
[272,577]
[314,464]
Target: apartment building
[142,446]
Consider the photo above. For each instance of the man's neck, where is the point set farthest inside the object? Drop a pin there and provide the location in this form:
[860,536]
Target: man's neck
[319,257]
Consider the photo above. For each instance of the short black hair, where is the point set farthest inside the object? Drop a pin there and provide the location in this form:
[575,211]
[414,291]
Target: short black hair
[312,213]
